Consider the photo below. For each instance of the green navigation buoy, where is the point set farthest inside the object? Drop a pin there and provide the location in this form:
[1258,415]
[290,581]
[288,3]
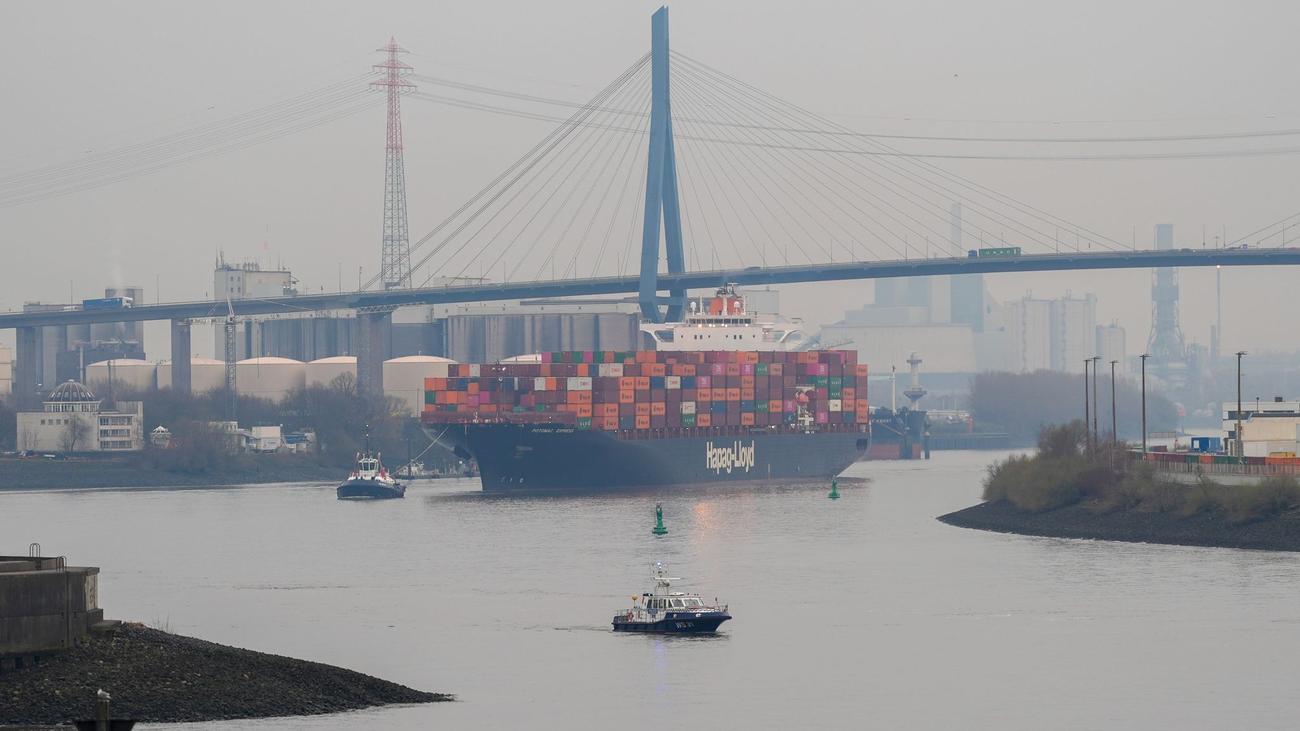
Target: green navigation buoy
[659,528]
[835,490]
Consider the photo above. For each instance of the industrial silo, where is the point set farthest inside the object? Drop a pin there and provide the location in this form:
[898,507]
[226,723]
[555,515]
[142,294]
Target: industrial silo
[127,376]
[404,378]
[269,377]
[206,374]
[323,371]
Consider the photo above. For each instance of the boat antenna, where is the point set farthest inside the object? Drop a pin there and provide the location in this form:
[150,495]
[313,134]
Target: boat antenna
[367,428]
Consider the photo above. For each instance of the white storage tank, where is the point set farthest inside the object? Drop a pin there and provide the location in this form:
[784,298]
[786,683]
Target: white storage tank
[269,377]
[128,375]
[323,371]
[206,374]
[404,378]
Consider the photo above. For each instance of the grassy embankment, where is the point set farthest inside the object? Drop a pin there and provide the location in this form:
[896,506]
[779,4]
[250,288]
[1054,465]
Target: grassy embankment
[1070,490]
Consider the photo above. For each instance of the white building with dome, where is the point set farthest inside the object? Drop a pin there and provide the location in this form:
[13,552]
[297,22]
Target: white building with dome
[72,420]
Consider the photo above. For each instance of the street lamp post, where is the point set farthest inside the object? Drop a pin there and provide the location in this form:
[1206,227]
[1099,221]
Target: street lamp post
[1114,430]
[1144,357]
[1096,432]
[1238,447]
[1086,415]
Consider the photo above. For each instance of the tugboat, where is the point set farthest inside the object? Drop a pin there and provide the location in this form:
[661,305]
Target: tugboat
[370,480]
[664,611]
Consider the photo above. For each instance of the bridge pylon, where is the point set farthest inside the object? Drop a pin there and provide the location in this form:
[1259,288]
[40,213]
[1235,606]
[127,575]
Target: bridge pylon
[661,203]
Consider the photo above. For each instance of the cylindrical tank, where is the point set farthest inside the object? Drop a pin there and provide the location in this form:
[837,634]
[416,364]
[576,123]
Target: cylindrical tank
[269,377]
[128,376]
[323,371]
[404,378]
[206,374]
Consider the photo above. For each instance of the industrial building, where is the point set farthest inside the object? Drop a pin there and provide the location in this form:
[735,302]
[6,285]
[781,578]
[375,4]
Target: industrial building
[1268,428]
[1050,334]
[73,419]
[1112,345]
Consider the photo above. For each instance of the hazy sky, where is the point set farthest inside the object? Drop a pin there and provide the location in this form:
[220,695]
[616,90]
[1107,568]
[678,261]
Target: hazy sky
[87,76]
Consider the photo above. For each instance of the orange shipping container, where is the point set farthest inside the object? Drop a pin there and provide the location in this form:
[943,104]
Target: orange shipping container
[720,394]
[643,422]
[733,369]
[774,406]
[746,381]
[704,420]
[643,409]
[627,383]
[643,383]
[733,394]
[626,396]
[584,410]
[657,409]
[747,394]
[746,419]
[658,369]
[473,387]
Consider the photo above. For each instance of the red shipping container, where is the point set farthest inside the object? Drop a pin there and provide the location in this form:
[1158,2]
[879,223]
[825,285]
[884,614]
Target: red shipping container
[746,394]
[775,406]
[584,410]
[732,394]
[747,419]
[703,420]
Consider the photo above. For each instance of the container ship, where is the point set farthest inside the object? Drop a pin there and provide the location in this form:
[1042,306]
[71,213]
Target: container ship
[723,398]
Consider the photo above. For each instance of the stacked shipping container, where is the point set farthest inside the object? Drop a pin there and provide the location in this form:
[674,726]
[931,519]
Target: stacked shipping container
[647,390]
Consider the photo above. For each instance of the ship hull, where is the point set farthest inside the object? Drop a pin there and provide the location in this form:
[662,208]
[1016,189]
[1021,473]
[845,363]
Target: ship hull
[369,490]
[559,458]
[685,623]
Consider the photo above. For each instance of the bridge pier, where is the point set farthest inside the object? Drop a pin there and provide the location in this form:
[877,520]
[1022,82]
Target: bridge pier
[373,323]
[181,353]
[27,366]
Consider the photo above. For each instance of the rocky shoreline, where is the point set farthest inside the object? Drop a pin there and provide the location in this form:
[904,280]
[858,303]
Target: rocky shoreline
[1082,520]
[159,677]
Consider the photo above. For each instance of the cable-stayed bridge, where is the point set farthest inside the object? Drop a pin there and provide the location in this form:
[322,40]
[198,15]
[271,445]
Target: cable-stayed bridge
[674,176]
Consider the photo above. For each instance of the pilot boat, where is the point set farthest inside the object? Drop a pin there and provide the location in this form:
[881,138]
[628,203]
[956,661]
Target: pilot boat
[370,480]
[665,611]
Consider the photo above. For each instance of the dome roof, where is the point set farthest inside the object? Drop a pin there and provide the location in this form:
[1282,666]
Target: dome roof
[267,360]
[71,391]
[340,359]
[419,359]
[121,363]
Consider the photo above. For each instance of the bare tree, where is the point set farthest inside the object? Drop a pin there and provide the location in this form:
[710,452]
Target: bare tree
[73,433]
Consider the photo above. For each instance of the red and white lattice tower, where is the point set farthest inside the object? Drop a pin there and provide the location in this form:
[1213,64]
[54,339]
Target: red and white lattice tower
[395,268]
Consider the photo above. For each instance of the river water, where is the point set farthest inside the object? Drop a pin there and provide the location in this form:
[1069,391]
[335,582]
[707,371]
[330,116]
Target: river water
[861,612]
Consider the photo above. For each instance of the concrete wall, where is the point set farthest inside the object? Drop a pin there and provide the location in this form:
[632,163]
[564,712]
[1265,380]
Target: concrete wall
[45,609]
[6,370]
